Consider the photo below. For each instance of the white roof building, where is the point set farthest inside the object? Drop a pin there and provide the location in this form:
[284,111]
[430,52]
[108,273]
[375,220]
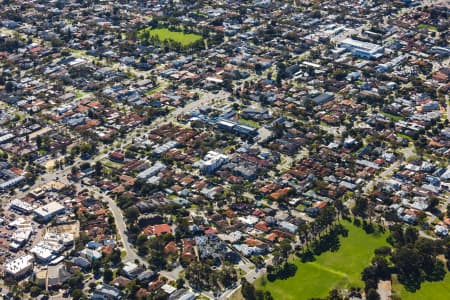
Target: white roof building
[49,210]
[249,220]
[42,253]
[21,206]
[152,171]
[18,267]
[211,162]
[65,239]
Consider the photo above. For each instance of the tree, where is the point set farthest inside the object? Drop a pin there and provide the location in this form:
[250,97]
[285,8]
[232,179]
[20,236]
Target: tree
[248,290]
[77,294]
[411,234]
[180,283]
[408,263]
[360,207]
[339,207]
[132,213]
[396,238]
[35,291]
[76,281]
[334,295]
[74,170]
[38,142]
[98,168]
[303,232]
[9,87]
[107,276]
[372,294]
[92,286]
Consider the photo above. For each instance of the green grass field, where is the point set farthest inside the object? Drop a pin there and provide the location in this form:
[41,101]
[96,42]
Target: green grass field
[154,91]
[428,27]
[392,117]
[331,269]
[110,164]
[404,136]
[164,34]
[428,290]
[249,122]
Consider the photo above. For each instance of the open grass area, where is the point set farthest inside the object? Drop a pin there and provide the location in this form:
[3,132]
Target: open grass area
[154,91]
[404,136]
[249,122]
[428,27]
[332,269]
[428,290]
[110,164]
[392,117]
[237,295]
[79,94]
[185,39]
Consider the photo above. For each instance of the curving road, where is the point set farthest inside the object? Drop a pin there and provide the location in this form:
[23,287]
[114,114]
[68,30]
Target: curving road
[131,255]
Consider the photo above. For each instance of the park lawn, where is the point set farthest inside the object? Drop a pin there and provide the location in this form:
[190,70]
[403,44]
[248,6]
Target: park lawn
[428,290]
[185,39]
[330,270]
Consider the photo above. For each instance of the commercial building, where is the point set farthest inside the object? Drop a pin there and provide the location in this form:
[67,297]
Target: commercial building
[42,253]
[48,211]
[4,186]
[90,254]
[323,98]
[236,128]
[19,267]
[53,276]
[362,49]
[106,292]
[21,206]
[211,162]
[153,170]
[160,150]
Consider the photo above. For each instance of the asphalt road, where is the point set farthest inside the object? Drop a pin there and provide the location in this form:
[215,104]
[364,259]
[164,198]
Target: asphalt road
[131,255]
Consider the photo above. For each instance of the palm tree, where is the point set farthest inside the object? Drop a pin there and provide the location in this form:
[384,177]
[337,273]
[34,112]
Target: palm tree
[303,233]
[339,208]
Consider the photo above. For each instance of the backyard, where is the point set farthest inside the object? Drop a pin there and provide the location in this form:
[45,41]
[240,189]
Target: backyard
[331,269]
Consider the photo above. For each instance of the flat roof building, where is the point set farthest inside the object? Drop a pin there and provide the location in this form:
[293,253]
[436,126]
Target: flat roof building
[21,206]
[152,171]
[11,183]
[362,49]
[19,267]
[211,162]
[48,211]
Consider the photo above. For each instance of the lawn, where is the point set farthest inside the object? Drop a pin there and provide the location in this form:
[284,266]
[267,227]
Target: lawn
[392,117]
[164,34]
[331,269]
[428,290]
[154,91]
[111,164]
[79,94]
[249,122]
[404,136]
[428,27]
